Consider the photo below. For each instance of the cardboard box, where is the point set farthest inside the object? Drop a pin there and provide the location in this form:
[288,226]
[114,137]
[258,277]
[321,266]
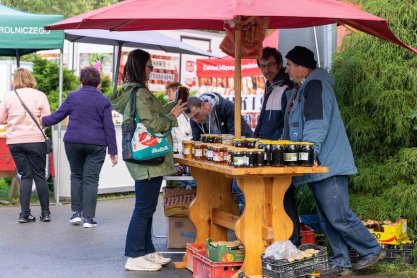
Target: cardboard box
[180,232]
[394,233]
[221,253]
[177,200]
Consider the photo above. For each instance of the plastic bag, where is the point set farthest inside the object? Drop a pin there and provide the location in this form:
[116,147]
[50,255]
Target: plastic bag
[281,250]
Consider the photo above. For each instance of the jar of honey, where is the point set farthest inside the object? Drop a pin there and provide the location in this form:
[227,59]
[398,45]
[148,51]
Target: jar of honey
[251,143]
[306,154]
[291,154]
[239,159]
[239,142]
[198,151]
[209,152]
[187,146]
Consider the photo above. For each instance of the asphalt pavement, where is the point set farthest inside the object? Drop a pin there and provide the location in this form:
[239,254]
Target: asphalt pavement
[58,249]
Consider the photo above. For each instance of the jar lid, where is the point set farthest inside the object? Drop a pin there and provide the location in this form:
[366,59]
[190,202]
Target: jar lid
[306,143]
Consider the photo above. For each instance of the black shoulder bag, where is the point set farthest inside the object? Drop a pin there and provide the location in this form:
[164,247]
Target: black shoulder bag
[48,141]
[128,130]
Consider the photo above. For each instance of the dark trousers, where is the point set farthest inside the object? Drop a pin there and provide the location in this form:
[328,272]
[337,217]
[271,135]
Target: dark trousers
[30,161]
[85,162]
[139,237]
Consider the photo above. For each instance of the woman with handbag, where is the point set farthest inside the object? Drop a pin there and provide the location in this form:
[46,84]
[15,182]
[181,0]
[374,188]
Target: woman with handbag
[22,109]
[147,174]
[90,131]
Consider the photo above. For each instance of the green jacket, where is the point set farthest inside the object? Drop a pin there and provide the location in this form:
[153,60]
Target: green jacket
[149,110]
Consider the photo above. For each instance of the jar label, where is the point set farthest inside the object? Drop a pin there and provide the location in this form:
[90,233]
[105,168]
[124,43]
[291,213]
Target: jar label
[238,161]
[303,156]
[186,151]
[198,153]
[290,156]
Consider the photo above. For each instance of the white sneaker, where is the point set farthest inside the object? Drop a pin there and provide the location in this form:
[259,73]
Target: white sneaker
[158,258]
[141,264]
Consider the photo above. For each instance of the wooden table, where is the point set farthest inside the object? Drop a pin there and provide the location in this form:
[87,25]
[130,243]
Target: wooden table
[263,220]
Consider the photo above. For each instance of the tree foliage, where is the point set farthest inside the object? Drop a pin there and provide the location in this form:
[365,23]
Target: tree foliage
[65,8]
[376,87]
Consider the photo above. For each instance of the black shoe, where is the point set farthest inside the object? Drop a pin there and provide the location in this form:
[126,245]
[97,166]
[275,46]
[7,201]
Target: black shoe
[335,271]
[45,216]
[369,260]
[26,218]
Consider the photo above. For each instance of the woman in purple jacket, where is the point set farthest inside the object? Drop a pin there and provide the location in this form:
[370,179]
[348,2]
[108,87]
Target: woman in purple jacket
[89,132]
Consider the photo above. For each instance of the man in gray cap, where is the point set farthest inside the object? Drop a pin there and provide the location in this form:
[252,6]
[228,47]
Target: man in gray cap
[313,115]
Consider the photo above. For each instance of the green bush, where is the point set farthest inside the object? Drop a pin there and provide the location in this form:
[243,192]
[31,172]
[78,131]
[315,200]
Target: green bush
[376,87]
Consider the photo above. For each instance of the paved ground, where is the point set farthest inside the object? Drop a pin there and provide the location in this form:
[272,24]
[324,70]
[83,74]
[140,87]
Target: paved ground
[58,249]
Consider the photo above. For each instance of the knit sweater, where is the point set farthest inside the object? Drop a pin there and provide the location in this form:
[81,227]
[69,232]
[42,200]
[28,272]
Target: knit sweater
[20,126]
[90,119]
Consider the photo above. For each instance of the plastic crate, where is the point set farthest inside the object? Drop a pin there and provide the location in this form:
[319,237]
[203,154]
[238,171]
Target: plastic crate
[204,268]
[395,253]
[307,235]
[192,250]
[283,269]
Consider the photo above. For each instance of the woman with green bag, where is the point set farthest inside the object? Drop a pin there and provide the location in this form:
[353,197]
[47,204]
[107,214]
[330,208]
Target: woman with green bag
[148,178]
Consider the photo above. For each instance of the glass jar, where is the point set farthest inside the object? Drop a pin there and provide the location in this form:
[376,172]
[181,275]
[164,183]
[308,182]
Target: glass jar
[306,154]
[266,146]
[251,143]
[239,159]
[239,142]
[203,138]
[291,154]
[204,150]
[209,152]
[260,153]
[227,139]
[277,154]
[218,153]
[250,158]
[198,151]
[187,146]
[210,138]
[229,157]
[182,94]
[217,139]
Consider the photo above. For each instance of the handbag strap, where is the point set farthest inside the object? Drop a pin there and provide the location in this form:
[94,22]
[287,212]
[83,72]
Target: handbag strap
[30,114]
[134,116]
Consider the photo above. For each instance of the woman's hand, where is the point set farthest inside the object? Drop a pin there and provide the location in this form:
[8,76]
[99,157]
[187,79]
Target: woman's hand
[179,108]
[114,159]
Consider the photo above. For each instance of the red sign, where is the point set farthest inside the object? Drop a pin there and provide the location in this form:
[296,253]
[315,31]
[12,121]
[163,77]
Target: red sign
[226,67]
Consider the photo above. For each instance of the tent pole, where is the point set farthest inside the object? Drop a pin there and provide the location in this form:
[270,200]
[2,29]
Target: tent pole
[73,56]
[57,182]
[116,72]
[17,58]
[238,80]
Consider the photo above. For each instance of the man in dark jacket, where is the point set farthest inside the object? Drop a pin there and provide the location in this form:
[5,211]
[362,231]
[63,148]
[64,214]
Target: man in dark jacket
[271,120]
[212,114]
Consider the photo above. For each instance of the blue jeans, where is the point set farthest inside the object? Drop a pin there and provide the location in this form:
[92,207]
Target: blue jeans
[86,161]
[340,224]
[139,237]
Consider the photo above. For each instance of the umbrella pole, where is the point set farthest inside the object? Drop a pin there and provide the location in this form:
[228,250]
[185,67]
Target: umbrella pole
[116,71]
[238,80]
[17,58]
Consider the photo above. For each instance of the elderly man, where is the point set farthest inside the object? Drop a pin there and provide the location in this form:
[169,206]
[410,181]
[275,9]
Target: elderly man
[312,115]
[212,114]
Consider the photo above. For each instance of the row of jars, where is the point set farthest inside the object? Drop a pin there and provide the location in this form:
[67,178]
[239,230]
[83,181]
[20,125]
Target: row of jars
[264,153]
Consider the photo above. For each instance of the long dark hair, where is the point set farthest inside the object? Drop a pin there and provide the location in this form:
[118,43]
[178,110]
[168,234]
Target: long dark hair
[135,68]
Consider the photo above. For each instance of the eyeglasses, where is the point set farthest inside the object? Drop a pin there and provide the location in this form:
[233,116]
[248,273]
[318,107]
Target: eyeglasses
[150,67]
[270,65]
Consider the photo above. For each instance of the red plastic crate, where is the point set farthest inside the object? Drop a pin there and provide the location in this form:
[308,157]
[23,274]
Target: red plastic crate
[307,235]
[192,250]
[205,268]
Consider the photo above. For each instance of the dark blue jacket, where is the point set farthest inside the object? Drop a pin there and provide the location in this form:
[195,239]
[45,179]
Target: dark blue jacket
[90,118]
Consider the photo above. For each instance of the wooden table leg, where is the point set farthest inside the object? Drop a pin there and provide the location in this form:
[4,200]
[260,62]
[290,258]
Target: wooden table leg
[264,211]
[213,191]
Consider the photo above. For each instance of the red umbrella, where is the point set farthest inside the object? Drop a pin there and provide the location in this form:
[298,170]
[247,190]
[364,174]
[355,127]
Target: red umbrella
[132,15]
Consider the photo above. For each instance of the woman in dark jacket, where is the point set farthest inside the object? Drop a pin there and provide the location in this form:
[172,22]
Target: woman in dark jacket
[90,131]
[148,179]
